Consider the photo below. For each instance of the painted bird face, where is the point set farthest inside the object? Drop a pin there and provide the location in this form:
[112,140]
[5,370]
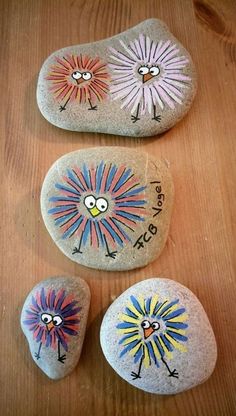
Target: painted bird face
[80,77]
[51,321]
[149,327]
[148,73]
[95,206]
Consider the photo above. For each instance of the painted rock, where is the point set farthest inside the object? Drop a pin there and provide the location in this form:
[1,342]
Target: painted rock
[138,83]
[108,208]
[157,336]
[53,319]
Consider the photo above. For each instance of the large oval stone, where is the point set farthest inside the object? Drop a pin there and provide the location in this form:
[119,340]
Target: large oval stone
[157,336]
[53,319]
[138,83]
[108,208]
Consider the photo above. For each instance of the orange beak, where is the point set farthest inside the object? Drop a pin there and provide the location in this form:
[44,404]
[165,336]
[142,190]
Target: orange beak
[146,77]
[148,331]
[79,81]
[50,326]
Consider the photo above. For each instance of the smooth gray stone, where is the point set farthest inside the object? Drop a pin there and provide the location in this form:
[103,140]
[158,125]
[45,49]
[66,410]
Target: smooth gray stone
[157,336]
[53,319]
[108,208]
[138,83]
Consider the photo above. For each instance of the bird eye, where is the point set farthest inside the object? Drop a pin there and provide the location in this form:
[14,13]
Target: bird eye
[154,70]
[87,76]
[57,320]
[46,318]
[76,75]
[89,201]
[145,324]
[143,70]
[102,204]
[155,325]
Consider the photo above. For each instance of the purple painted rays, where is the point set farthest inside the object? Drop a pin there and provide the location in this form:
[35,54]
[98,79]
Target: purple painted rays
[52,317]
[146,74]
[99,206]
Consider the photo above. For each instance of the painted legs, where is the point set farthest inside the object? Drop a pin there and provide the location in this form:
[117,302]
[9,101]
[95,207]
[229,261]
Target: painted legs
[60,357]
[173,373]
[136,117]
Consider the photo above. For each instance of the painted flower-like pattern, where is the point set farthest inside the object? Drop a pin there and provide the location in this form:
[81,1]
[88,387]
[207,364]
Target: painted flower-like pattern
[52,317]
[151,330]
[147,76]
[79,78]
[100,206]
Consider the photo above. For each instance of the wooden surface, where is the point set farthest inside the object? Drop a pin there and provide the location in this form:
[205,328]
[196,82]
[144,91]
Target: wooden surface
[200,252]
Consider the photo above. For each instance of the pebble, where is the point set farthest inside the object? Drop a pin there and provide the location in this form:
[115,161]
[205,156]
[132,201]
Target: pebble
[157,336]
[108,208]
[53,319]
[138,83]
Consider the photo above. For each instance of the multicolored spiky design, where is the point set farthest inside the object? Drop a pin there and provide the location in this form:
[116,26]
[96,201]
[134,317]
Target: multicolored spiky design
[151,330]
[147,75]
[97,205]
[81,78]
[52,317]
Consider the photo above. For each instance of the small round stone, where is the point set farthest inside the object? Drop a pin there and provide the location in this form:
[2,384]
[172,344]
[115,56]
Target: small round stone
[53,319]
[138,83]
[157,336]
[108,208]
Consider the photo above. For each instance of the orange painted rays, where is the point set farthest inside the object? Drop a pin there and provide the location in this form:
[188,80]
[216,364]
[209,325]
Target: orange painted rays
[79,78]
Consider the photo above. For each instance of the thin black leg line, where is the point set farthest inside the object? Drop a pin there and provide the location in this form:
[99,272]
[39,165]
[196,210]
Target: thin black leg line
[168,368]
[137,110]
[92,107]
[77,250]
[106,244]
[140,365]
[37,354]
[58,350]
[63,107]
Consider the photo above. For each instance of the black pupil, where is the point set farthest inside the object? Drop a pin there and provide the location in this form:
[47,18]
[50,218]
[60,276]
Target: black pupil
[91,204]
[45,319]
[102,206]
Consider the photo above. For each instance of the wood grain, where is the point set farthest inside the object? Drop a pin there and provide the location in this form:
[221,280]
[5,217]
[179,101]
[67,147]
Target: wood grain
[200,251]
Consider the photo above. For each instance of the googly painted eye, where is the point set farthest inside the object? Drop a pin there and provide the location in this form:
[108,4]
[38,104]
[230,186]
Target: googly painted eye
[46,318]
[143,70]
[76,75]
[145,324]
[90,201]
[86,76]
[155,325]
[57,320]
[102,204]
[154,70]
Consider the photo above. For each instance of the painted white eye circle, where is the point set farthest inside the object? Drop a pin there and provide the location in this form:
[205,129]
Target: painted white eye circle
[143,70]
[155,325]
[86,76]
[90,201]
[57,320]
[145,324]
[154,70]
[76,75]
[46,318]
[102,204]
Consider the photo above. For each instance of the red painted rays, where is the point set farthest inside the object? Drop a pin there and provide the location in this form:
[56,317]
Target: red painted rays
[79,78]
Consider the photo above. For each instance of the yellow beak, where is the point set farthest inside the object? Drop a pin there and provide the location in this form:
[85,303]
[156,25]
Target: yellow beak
[94,211]
[50,326]
[146,77]
[147,332]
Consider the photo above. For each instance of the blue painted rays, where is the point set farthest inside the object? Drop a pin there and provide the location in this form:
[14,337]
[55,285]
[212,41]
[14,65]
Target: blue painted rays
[98,205]
[151,330]
[52,317]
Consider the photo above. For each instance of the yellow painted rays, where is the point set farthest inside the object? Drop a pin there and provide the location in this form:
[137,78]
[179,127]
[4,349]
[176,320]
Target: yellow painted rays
[151,330]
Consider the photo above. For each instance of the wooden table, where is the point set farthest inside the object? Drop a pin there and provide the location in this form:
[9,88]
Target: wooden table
[200,252]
